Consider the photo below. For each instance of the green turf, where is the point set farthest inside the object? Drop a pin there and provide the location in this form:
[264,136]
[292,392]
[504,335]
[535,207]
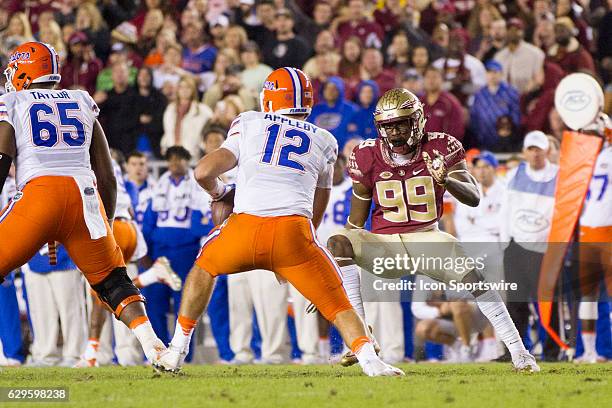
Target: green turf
[425,385]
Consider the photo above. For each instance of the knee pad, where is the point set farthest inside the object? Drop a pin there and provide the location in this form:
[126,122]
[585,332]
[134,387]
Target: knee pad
[587,310]
[117,291]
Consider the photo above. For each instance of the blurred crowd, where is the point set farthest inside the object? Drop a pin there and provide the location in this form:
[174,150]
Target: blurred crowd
[170,76]
[485,69]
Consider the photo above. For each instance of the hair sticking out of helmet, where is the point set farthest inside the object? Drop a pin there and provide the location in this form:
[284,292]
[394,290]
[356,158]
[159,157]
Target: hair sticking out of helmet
[287,91]
[400,121]
[31,63]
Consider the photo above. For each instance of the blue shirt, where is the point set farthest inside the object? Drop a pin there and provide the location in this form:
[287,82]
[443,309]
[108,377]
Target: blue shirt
[488,107]
[40,262]
[200,60]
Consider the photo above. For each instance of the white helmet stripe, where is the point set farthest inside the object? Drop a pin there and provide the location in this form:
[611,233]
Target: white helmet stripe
[297,84]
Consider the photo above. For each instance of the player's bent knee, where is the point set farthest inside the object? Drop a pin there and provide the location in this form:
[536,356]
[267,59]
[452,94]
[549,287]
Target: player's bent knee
[340,246]
[117,291]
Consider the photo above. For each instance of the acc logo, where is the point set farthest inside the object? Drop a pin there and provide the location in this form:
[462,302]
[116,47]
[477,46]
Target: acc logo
[531,221]
[386,175]
[575,101]
[19,56]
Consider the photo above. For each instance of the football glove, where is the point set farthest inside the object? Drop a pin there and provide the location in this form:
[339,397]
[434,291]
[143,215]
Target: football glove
[436,167]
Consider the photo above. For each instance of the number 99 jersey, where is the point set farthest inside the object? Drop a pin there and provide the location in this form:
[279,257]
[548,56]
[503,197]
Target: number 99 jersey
[406,197]
[53,130]
[280,163]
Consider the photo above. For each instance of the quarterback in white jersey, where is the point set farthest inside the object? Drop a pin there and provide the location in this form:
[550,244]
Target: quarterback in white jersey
[67,190]
[285,169]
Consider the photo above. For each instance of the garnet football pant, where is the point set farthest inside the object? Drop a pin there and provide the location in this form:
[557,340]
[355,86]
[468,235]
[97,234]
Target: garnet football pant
[50,208]
[286,245]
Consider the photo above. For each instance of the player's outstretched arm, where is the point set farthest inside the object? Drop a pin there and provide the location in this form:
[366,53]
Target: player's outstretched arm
[360,206]
[8,150]
[462,185]
[103,168]
[210,167]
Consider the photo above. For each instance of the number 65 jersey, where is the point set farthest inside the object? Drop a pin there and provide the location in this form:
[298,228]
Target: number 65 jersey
[280,163]
[406,197]
[53,130]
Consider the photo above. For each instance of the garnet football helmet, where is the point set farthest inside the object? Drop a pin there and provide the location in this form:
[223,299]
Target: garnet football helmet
[287,91]
[395,106]
[30,63]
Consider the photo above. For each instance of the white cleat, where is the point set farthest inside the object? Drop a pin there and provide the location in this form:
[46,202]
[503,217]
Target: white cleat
[154,351]
[378,368]
[525,362]
[589,358]
[166,275]
[169,361]
[90,357]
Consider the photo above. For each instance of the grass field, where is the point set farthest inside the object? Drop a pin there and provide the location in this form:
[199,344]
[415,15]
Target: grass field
[425,385]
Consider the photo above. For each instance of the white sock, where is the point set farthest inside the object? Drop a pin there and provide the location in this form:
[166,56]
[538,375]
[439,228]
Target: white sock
[149,276]
[352,285]
[366,353]
[492,306]
[588,340]
[181,339]
[146,336]
[324,348]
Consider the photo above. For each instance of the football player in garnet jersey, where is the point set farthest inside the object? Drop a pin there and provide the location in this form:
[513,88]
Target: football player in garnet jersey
[405,172]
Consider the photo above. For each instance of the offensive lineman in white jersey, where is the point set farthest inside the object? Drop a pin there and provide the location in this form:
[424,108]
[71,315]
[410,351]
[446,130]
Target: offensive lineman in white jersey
[285,169]
[67,190]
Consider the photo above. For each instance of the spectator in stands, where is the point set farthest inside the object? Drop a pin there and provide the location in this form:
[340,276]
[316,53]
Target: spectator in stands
[82,66]
[324,45]
[443,110]
[225,58]
[412,81]
[119,53]
[391,15]
[372,68]
[120,102]
[185,118]
[333,113]
[527,215]
[496,99]
[286,49]
[419,59]
[51,33]
[538,101]
[350,61]
[163,40]
[463,73]
[89,20]
[230,84]
[151,106]
[255,73]
[362,125]
[544,34]
[147,6]
[235,38]
[521,60]
[261,28]
[480,20]
[509,137]
[493,42]
[17,32]
[398,52]
[326,67]
[218,29]
[153,23]
[567,9]
[170,71]
[357,23]
[322,16]
[568,52]
[226,111]
[198,55]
